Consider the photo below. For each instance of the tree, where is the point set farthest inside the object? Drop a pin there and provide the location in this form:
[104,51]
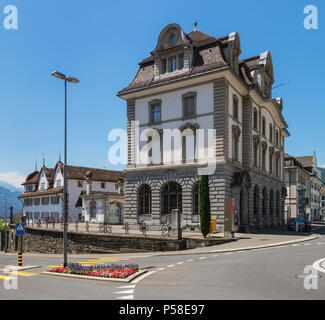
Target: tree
[205,214]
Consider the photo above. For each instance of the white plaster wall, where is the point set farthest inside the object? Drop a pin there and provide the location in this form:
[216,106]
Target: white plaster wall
[58,176]
[43,179]
[172,103]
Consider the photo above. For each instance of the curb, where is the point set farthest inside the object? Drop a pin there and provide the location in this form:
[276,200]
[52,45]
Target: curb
[272,245]
[75,276]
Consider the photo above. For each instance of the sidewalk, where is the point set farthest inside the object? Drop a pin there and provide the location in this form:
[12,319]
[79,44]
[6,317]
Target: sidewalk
[269,238]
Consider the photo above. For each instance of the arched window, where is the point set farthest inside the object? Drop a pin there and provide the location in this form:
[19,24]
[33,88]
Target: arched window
[144,199]
[256,203]
[171,197]
[196,200]
[265,204]
[272,204]
[277,208]
[172,39]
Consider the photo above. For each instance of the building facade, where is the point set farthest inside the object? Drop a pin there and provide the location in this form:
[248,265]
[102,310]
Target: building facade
[43,196]
[322,202]
[301,174]
[227,124]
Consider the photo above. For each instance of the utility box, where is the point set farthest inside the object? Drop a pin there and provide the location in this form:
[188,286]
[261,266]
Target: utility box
[213,225]
[229,231]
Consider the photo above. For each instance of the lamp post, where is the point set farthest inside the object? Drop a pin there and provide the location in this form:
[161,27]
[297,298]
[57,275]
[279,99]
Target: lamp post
[66,79]
[5,221]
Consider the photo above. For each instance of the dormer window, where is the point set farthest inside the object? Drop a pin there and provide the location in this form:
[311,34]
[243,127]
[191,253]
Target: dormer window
[172,39]
[43,186]
[172,64]
[164,66]
[181,62]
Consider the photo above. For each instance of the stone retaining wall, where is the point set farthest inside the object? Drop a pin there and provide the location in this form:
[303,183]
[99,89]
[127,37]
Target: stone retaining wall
[51,241]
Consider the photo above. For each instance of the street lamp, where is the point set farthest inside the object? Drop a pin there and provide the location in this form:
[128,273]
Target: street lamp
[66,79]
[5,221]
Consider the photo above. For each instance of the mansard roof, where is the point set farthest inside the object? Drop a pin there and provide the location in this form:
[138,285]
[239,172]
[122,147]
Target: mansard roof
[209,53]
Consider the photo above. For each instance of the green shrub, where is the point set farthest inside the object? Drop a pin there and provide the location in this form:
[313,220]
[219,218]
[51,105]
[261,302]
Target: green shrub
[205,214]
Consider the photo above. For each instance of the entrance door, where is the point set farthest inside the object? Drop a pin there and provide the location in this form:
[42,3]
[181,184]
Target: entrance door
[114,214]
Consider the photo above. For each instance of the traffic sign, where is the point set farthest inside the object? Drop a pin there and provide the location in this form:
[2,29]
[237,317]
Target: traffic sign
[20,229]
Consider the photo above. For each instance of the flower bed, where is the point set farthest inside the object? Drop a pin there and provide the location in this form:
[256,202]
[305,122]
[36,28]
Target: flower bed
[109,271]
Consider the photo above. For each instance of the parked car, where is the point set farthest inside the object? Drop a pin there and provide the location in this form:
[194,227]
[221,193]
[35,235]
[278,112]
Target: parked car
[306,226]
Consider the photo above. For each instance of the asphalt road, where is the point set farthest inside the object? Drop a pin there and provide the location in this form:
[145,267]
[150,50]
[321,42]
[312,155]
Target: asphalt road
[259,274]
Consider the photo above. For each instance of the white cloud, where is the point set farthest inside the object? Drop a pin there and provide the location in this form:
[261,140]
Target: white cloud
[322,166]
[13,178]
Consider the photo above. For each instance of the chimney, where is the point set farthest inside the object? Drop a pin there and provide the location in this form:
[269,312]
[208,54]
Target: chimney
[89,183]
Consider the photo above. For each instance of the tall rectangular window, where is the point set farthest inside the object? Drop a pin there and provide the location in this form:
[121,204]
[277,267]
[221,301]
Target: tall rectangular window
[181,62]
[155,112]
[263,126]
[255,119]
[255,155]
[264,160]
[235,107]
[164,66]
[271,133]
[235,144]
[172,64]
[189,106]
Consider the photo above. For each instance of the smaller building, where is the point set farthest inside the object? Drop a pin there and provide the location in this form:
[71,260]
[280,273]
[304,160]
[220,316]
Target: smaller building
[303,187]
[322,202]
[100,206]
[43,196]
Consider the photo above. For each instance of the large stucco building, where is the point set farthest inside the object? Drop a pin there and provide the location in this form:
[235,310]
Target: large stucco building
[195,82]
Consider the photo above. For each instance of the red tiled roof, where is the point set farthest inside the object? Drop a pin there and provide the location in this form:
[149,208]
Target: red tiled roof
[52,191]
[307,161]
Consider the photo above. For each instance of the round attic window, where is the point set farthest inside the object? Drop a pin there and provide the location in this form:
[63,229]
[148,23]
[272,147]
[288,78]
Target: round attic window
[172,39]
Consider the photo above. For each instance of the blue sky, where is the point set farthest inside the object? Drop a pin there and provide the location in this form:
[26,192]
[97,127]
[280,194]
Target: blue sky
[101,42]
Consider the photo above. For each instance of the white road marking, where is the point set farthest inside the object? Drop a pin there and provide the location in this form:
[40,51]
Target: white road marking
[320,243]
[179,263]
[131,297]
[171,266]
[127,287]
[308,244]
[202,258]
[137,280]
[215,255]
[125,292]
[296,245]
[161,269]
[228,253]
[191,260]
[318,265]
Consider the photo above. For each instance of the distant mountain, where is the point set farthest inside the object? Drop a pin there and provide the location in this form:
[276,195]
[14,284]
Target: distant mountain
[11,194]
[10,187]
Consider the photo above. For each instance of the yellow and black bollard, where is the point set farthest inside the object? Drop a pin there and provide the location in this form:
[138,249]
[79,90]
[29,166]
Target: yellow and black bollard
[20,259]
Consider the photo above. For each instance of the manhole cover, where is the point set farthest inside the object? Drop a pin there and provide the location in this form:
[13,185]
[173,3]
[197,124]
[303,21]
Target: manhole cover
[308,276]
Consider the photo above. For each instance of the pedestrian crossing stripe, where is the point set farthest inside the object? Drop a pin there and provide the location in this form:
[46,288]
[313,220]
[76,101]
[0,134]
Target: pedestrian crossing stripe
[6,277]
[23,274]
